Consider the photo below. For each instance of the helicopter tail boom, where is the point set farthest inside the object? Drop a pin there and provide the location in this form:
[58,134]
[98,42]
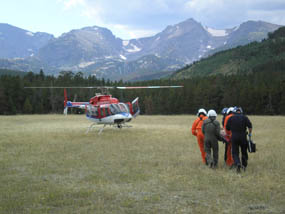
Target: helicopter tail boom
[69,104]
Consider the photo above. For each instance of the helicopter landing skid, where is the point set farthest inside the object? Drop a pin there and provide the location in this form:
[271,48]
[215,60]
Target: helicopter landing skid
[90,128]
[119,126]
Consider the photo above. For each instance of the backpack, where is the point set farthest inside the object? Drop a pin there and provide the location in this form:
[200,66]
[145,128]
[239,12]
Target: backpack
[218,135]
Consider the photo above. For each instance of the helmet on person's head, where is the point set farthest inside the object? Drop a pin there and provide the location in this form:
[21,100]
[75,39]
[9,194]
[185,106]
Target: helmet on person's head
[202,111]
[238,110]
[224,111]
[212,113]
[230,110]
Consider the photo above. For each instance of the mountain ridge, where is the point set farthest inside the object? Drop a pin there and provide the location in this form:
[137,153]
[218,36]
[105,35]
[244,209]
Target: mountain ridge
[95,50]
[267,54]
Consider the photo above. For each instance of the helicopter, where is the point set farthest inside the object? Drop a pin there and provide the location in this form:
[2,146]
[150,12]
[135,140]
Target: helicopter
[103,109]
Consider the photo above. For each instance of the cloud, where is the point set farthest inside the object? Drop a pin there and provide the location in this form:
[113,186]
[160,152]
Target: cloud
[68,4]
[264,5]
[142,17]
[223,13]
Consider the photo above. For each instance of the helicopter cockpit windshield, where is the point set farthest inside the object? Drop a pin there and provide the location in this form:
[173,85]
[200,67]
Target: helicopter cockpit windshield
[107,110]
[119,108]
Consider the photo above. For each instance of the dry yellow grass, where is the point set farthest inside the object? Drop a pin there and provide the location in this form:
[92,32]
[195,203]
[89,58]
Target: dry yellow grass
[49,165]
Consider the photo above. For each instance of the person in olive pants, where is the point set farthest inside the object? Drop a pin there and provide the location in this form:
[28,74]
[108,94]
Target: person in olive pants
[211,130]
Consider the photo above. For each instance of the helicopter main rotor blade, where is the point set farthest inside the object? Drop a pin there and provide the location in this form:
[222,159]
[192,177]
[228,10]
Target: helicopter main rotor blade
[142,87]
[110,87]
[98,87]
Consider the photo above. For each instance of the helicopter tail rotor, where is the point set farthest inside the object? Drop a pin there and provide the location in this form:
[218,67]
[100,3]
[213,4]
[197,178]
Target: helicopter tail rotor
[65,103]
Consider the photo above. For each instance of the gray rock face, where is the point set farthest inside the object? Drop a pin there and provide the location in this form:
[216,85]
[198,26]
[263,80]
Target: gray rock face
[79,46]
[18,43]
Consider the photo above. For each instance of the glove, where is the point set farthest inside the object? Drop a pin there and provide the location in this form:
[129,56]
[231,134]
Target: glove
[249,134]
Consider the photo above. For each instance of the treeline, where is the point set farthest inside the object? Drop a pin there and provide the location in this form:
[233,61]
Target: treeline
[262,92]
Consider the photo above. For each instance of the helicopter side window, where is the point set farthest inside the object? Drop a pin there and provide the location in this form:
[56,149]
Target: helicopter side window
[94,112]
[114,108]
[128,107]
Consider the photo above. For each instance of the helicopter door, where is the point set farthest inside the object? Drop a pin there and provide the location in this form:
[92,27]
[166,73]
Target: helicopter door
[91,111]
[135,107]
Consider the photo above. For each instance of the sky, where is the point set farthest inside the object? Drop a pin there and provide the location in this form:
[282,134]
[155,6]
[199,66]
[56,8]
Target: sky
[129,19]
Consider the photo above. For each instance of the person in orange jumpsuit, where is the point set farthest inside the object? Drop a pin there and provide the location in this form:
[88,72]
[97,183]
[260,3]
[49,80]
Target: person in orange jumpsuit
[229,158]
[197,131]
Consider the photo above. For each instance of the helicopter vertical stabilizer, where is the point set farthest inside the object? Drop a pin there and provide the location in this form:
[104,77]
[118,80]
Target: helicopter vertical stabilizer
[135,111]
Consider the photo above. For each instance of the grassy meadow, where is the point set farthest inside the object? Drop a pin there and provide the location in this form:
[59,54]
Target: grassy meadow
[49,165]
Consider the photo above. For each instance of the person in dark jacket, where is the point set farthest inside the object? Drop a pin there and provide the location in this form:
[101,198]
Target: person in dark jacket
[238,125]
[211,131]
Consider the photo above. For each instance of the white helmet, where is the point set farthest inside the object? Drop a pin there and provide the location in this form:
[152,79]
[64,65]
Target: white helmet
[231,109]
[202,111]
[212,113]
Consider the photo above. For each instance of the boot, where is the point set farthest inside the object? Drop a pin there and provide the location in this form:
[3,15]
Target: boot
[238,168]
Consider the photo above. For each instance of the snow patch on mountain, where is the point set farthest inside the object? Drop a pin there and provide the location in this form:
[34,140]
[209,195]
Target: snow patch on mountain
[236,28]
[123,57]
[176,32]
[126,42]
[29,33]
[215,32]
[134,49]
[85,64]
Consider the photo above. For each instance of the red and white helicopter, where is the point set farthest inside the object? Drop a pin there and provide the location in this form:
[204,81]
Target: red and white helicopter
[103,109]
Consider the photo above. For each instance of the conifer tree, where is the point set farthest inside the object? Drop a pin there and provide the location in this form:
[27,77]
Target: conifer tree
[27,108]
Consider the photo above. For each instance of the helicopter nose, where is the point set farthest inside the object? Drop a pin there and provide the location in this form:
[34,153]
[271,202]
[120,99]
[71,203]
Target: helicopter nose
[127,117]
[123,117]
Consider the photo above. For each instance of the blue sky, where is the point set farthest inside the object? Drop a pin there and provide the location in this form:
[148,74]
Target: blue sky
[135,18]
